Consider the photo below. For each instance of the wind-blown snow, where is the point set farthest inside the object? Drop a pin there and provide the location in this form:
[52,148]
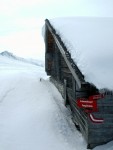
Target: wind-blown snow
[90,42]
[32,113]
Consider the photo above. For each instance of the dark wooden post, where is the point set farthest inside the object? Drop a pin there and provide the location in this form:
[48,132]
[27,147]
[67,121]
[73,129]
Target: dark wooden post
[74,87]
[65,92]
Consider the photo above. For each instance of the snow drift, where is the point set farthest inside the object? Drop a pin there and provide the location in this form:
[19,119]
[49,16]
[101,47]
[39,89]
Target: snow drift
[90,42]
[32,114]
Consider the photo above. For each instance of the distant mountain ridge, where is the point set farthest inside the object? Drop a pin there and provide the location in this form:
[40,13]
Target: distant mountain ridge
[8,54]
[30,61]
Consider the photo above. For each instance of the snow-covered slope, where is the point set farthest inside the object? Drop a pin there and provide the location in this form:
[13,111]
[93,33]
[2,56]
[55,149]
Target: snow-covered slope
[31,61]
[32,113]
[90,42]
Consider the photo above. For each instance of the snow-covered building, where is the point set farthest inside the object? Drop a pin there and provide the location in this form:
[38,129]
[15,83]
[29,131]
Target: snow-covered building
[79,59]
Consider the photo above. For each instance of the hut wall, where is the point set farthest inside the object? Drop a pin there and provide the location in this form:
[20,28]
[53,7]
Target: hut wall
[61,75]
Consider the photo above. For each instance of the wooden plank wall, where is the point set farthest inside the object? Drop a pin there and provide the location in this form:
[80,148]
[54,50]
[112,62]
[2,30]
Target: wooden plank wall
[95,134]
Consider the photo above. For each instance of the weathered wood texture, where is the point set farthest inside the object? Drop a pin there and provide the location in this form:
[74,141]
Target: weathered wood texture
[58,85]
[94,133]
[66,55]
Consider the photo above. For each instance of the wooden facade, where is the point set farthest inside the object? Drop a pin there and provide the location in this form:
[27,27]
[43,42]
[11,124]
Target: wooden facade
[92,110]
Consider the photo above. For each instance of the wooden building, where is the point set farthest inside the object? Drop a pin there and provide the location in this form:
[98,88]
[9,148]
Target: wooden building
[92,109]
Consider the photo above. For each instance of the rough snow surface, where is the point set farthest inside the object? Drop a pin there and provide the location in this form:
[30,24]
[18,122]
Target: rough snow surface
[90,42]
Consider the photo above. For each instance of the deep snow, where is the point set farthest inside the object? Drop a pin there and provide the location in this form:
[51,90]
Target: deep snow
[90,42]
[32,114]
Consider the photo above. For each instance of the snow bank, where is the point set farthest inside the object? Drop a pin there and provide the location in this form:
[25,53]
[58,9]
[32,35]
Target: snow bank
[90,42]
[32,115]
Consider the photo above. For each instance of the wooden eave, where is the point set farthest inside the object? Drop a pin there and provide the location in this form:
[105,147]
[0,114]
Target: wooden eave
[78,76]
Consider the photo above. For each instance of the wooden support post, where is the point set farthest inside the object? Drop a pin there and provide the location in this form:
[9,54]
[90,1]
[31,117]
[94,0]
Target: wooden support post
[74,87]
[65,92]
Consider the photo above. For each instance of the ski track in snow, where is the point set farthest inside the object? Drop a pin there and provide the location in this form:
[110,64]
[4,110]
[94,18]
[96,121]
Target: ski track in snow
[32,113]
[5,95]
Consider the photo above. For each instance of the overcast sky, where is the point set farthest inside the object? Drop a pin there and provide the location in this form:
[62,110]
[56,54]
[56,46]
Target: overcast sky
[21,21]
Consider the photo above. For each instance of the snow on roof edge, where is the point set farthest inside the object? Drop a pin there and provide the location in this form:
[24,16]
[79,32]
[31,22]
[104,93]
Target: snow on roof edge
[81,38]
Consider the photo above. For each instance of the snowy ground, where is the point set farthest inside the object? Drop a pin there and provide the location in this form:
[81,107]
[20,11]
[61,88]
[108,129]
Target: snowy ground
[32,114]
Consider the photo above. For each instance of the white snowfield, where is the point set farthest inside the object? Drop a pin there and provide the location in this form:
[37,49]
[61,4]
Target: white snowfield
[90,42]
[32,114]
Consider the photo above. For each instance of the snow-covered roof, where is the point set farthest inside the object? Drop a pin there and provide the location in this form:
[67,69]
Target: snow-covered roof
[90,42]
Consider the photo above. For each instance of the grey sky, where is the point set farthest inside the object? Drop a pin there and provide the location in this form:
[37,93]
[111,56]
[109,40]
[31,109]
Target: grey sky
[21,21]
